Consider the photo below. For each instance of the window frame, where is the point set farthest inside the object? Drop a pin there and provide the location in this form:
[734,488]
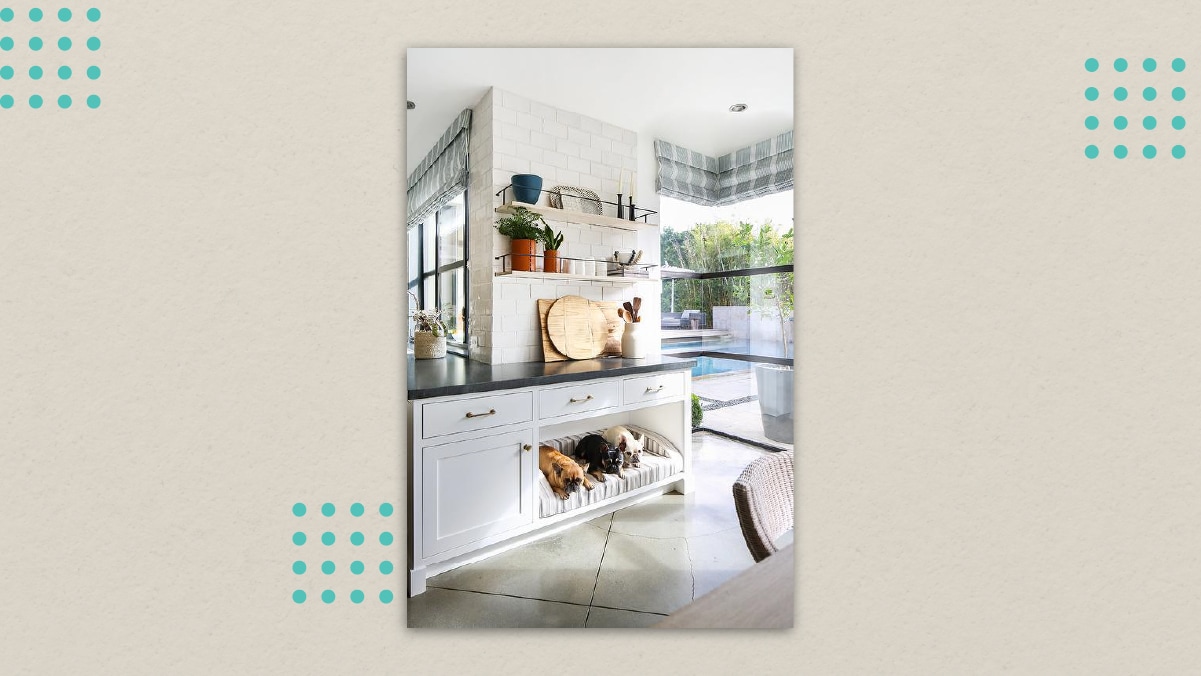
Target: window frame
[417,282]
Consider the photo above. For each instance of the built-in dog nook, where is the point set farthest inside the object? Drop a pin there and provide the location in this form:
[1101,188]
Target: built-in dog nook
[659,460]
[477,483]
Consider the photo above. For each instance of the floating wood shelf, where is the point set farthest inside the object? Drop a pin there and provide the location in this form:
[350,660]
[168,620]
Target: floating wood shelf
[561,276]
[566,216]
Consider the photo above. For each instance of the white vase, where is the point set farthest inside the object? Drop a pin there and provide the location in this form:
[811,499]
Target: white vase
[633,341]
[428,346]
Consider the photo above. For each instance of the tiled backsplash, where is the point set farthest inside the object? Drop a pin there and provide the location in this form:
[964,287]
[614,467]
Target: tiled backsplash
[514,135]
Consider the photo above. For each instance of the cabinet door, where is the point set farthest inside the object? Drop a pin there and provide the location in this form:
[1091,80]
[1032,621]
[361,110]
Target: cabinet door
[476,489]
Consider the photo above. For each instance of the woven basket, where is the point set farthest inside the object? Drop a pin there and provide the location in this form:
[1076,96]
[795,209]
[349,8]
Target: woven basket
[428,346]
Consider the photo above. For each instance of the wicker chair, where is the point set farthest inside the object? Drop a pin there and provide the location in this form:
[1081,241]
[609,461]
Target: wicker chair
[763,498]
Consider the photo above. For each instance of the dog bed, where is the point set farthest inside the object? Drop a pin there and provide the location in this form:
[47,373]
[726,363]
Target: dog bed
[659,460]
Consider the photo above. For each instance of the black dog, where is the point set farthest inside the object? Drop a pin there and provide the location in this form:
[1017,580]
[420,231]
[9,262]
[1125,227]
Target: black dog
[602,458]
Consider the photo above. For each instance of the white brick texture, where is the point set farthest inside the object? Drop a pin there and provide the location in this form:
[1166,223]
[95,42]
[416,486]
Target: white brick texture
[564,148]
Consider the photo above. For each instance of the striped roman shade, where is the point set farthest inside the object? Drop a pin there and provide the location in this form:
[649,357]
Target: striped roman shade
[686,174]
[762,169]
[443,172]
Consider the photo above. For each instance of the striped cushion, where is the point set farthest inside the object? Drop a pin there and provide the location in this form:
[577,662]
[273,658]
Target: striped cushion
[659,460]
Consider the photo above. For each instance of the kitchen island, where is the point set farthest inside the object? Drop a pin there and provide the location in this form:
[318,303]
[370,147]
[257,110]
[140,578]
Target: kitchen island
[475,488]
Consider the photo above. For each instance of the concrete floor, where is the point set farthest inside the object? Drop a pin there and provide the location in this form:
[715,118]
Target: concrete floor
[630,568]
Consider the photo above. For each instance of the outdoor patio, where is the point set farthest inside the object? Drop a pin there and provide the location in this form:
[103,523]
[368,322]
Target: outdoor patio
[731,406]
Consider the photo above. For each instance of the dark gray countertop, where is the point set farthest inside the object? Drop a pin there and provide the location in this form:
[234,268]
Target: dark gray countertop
[458,375]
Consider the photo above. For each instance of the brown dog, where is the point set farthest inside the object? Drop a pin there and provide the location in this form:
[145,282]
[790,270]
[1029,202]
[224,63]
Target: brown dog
[562,473]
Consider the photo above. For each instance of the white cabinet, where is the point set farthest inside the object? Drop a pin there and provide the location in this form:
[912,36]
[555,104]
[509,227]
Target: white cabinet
[468,414]
[578,399]
[476,489]
[473,465]
[651,389]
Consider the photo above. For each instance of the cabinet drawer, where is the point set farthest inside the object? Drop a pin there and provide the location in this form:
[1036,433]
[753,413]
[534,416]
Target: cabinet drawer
[579,398]
[475,413]
[653,388]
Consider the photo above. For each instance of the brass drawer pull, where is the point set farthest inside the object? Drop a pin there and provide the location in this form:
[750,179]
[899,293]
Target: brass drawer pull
[653,389]
[580,401]
[481,415]
[527,448]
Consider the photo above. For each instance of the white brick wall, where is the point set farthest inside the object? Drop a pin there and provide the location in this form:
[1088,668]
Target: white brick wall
[514,135]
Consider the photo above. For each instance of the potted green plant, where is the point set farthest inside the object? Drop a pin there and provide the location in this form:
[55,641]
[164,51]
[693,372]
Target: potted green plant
[522,229]
[551,241]
[429,333]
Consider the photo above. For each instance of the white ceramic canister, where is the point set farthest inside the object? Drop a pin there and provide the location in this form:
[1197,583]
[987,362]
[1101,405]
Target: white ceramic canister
[633,341]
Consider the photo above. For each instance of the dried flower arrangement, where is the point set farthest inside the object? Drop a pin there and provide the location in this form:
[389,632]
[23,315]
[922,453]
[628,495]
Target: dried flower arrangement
[427,321]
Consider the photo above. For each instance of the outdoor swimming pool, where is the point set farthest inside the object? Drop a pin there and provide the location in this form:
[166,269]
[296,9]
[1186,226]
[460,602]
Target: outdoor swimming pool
[707,366]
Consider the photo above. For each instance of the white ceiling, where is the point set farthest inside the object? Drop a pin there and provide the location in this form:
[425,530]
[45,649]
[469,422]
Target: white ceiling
[680,95]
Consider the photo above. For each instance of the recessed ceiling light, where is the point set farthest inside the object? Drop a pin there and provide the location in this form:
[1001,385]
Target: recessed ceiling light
[737,107]
[412,105]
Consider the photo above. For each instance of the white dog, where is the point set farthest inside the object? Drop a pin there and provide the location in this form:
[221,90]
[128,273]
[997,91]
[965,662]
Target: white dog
[629,442]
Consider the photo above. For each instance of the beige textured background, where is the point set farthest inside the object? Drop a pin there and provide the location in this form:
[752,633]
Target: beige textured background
[999,371]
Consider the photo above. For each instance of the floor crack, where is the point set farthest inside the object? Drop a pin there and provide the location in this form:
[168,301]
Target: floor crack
[598,570]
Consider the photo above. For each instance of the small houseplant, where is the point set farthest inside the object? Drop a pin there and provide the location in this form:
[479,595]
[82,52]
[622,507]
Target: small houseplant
[522,229]
[429,333]
[551,241]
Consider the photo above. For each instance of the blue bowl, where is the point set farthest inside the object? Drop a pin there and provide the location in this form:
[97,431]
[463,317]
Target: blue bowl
[527,188]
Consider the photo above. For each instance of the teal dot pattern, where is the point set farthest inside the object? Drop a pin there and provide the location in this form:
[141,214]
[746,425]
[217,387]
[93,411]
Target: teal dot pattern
[40,41]
[1156,107]
[344,569]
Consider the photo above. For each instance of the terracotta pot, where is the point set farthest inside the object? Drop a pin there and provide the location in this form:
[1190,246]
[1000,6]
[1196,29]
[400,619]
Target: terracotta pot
[550,261]
[524,254]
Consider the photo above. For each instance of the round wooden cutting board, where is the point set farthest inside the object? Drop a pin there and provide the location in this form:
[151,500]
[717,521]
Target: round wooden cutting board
[577,327]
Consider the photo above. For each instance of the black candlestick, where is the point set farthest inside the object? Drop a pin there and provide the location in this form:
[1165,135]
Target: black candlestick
[620,207]
[631,207]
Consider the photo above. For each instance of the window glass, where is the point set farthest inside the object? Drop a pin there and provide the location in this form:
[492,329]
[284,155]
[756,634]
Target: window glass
[451,232]
[437,266]
[718,299]
[454,304]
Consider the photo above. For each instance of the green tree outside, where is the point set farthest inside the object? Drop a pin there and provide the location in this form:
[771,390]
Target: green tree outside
[720,246]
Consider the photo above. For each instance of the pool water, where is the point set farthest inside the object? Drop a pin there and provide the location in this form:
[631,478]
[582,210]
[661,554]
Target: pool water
[707,366]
